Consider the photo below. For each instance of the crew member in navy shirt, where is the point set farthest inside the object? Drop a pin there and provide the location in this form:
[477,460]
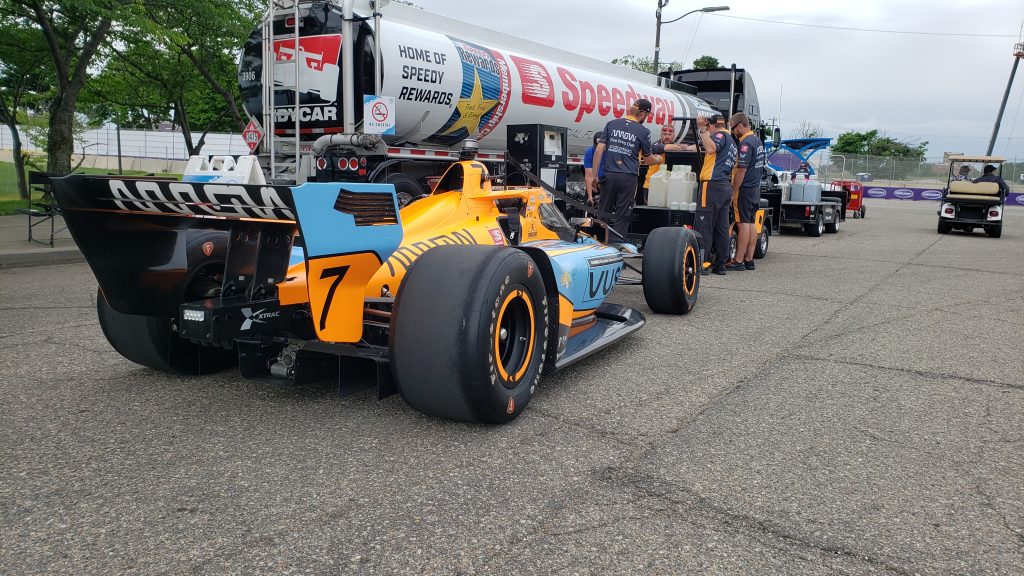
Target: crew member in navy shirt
[746,190]
[591,176]
[715,190]
[626,143]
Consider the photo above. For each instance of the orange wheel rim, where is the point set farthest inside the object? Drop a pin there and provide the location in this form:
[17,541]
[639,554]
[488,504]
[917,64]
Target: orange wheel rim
[514,333]
[690,272]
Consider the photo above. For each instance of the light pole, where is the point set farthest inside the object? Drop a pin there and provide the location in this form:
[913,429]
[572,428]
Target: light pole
[657,31]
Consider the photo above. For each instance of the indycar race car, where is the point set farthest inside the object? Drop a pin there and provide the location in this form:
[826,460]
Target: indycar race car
[459,300]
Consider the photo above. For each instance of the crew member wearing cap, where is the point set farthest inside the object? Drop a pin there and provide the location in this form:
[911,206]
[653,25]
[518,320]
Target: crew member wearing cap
[746,190]
[988,174]
[665,144]
[626,144]
[715,190]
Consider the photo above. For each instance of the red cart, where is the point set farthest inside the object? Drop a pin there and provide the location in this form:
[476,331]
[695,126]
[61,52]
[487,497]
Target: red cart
[855,191]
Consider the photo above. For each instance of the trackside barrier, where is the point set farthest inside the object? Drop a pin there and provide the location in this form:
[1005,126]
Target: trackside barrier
[901,193]
[224,169]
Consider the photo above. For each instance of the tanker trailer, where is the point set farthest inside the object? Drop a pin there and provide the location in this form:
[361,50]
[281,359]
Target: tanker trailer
[450,81]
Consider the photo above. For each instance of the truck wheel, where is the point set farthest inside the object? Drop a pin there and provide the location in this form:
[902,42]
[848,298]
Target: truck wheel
[816,228]
[153,342]
[833,227]
[406,188]
[671,270]
[944,227]
[468,333]
[761,248]
[995,230]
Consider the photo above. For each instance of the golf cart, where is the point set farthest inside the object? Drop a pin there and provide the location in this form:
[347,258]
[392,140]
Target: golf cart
[966,204]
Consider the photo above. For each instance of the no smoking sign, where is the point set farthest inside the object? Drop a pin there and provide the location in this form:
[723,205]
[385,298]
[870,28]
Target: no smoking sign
[378,115]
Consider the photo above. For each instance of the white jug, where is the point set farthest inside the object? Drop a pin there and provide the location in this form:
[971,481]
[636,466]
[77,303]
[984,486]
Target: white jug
[657,193]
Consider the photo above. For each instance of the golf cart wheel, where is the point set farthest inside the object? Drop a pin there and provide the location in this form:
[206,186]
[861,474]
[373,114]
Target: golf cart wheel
[153,342]
[468,333]
[671,272]
[995,231]
[816,228]
[833,226]
[761,248]
[944,227]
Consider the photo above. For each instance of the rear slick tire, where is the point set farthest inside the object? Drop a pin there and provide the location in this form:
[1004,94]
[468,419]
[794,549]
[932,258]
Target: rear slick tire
[468,333]
[152,341]
[671,270]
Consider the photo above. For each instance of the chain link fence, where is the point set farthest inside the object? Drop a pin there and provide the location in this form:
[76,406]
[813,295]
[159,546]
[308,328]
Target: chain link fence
[886,171]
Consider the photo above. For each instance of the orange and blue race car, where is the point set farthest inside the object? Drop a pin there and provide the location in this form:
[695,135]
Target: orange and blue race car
[459,301]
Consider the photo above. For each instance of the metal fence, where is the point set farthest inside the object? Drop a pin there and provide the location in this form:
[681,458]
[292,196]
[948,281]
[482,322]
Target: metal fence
[161,144]
[885,171]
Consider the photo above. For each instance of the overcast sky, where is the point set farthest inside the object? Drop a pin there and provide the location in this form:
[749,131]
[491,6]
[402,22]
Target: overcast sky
[943,89]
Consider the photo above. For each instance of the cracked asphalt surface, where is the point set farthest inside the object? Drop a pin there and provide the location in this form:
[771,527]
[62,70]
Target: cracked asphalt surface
[855,406]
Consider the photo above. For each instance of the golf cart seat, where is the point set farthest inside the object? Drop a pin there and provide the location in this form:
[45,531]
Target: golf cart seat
[983,192]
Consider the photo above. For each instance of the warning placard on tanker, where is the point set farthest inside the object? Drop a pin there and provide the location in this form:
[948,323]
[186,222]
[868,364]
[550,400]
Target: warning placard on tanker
[378,115]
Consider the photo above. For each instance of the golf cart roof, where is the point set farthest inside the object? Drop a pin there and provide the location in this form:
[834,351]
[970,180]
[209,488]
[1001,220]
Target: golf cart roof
[983,159]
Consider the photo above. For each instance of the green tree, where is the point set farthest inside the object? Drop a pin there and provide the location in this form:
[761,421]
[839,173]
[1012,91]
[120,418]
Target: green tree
[73,33]
[872,144]
[209,34]
[645,64]
[706,63]
[22,85]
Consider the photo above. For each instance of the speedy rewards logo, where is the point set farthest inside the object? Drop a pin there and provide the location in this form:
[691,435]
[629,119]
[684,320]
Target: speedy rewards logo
[581,96]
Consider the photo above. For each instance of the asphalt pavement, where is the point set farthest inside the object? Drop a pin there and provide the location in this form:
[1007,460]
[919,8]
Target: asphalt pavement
[854,406]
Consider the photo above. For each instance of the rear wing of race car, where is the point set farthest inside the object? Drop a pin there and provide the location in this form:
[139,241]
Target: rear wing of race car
[147,241]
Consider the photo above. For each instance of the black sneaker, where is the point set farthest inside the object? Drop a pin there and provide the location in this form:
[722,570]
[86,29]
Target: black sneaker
[749,265]
[735,266]
[705,270]
[720,270]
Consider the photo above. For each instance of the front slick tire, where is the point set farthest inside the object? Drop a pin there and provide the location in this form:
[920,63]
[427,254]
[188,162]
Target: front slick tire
[469,332]
[671,274]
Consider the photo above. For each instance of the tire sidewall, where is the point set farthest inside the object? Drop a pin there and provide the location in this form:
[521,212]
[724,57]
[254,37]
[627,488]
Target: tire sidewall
[502,399]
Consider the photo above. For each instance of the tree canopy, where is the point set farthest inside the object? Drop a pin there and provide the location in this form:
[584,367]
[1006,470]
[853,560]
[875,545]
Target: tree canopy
[871,143]
[646,64]
[706,63]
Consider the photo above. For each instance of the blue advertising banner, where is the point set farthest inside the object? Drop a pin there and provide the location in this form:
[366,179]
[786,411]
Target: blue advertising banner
[902,193]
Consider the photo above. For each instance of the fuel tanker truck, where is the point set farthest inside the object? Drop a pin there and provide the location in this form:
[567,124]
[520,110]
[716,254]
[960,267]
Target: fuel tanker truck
[313,70]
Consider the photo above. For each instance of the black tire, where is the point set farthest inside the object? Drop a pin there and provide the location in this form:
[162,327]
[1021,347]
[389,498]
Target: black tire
[863,211]
[671,272]
[833,227]
[995,230]
[815,229]
[761,248]
[944,226]
[406,188]
[448,353]
[151,341]
[733,243]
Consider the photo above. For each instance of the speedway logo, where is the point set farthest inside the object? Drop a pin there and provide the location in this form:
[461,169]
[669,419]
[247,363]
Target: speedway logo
[877,192]
[931,195]
[257,317]
[903,193]
[201,200]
